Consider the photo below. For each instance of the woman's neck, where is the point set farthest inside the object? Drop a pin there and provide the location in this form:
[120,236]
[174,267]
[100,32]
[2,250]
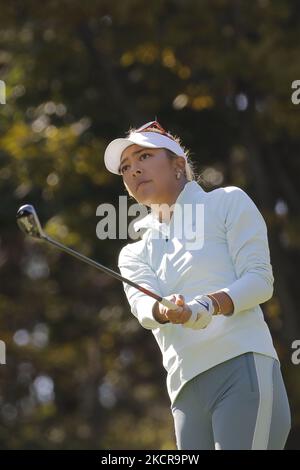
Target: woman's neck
[164,210]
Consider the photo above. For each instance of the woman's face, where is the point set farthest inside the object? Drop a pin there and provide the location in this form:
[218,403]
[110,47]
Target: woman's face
[149,175]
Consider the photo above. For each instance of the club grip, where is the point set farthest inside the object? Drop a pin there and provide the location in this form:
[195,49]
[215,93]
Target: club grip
[167,303]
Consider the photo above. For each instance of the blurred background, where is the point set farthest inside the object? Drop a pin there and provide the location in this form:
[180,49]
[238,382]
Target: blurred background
[80,370]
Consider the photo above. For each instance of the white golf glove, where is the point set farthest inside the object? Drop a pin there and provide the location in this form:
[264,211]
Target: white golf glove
[202,310]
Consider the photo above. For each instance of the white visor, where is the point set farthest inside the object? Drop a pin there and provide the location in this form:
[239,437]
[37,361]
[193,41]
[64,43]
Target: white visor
[114,150]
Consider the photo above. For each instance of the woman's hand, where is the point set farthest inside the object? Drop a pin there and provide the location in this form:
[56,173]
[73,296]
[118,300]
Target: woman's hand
[179,316]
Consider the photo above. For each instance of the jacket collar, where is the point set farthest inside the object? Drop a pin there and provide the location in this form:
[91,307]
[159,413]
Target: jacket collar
[187,194]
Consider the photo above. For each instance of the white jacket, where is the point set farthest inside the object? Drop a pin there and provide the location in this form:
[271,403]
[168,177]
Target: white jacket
[234,258]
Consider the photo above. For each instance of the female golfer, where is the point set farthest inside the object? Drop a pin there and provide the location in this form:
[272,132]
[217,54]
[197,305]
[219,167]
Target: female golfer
[208,253]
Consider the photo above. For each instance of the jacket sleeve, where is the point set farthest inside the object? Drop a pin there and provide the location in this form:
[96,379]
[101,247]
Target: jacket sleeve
[247,240]
[133,267]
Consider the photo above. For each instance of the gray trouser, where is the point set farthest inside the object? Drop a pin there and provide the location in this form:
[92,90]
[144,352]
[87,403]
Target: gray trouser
[238,404]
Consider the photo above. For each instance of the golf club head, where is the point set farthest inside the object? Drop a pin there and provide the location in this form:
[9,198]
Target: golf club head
[28,221]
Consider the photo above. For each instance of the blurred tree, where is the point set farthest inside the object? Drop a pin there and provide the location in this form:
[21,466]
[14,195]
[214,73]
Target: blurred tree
[81,372]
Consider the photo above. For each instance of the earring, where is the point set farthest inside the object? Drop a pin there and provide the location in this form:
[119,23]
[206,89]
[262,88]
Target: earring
[178,175]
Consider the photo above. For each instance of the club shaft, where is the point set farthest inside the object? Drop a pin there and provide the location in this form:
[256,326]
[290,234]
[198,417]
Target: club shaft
[29,223]
[99,266]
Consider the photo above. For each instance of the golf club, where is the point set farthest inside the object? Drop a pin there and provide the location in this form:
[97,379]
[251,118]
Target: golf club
[29,223]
